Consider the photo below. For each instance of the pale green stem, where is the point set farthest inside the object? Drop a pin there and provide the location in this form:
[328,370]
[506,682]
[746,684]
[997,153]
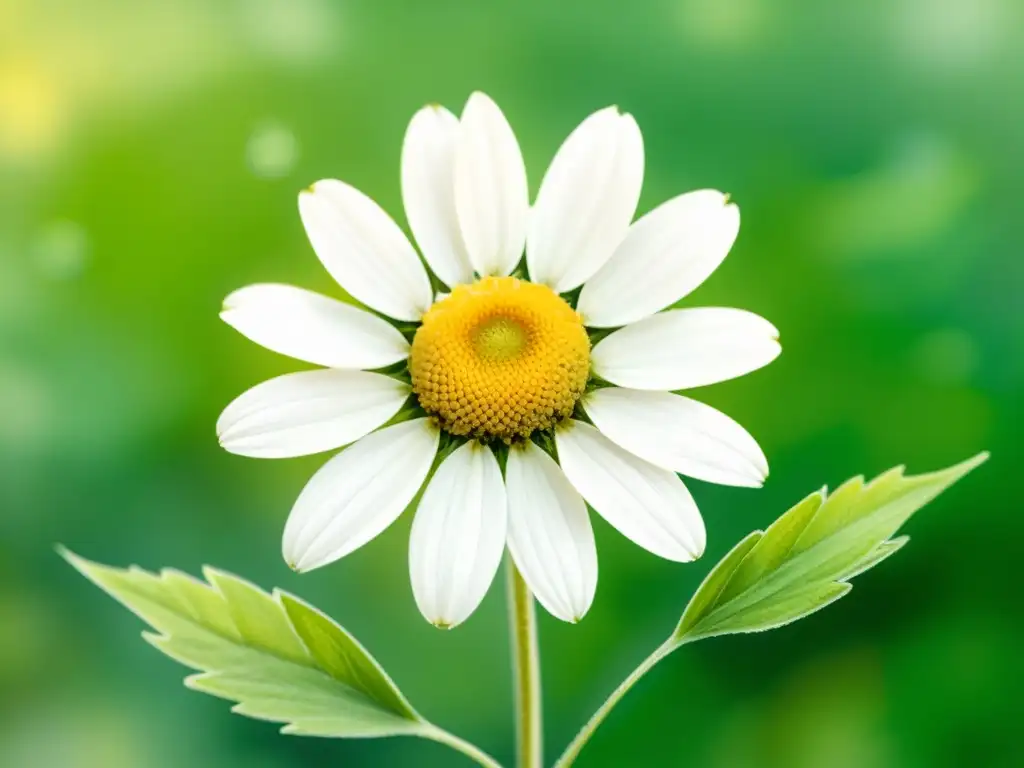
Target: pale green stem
[471,751]
[526,670]
[573,750]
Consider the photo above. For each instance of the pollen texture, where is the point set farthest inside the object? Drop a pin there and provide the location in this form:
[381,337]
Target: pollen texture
[500,359]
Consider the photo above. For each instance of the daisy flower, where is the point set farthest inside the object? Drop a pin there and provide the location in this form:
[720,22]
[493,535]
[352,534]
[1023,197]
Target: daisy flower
[527,370]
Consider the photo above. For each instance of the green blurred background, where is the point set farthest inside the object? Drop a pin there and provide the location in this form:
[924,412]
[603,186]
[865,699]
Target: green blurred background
[150,155]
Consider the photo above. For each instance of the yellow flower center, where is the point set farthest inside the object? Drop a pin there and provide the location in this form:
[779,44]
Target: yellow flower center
[500,359]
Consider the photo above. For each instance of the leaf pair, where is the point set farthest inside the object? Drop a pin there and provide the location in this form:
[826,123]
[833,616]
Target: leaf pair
[282,660]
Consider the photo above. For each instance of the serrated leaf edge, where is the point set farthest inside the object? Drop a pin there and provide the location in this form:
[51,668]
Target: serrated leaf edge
[419,726]
[688,630]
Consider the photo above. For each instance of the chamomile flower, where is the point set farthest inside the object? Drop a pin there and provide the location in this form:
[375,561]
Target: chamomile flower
[531,372]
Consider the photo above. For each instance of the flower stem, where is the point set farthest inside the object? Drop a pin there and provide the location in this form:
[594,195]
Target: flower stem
[573,750]
[526,670]
[461,745]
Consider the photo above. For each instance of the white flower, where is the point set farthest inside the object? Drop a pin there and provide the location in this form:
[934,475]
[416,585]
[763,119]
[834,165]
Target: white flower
[493,389]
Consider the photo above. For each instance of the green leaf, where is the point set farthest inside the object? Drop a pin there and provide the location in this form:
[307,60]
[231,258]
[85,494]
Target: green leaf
[278,658]
[804,560]
[880,553]
[715,582]
[785,608]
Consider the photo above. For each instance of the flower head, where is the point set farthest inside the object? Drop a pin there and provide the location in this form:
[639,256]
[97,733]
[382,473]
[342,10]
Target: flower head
[512,392]
[500,359]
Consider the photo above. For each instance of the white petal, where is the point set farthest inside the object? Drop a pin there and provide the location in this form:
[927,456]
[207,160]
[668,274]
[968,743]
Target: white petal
[679,434]
[364,250]
[586,201]
[458,535]
[311,327]
[647,504]
[302,413]
[490,188]
[665,255]
[685,348]
[359,493]
[549,533]
[428,192]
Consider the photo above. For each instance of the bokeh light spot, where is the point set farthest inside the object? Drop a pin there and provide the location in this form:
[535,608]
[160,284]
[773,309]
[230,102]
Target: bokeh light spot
[272,150]
[61,250]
